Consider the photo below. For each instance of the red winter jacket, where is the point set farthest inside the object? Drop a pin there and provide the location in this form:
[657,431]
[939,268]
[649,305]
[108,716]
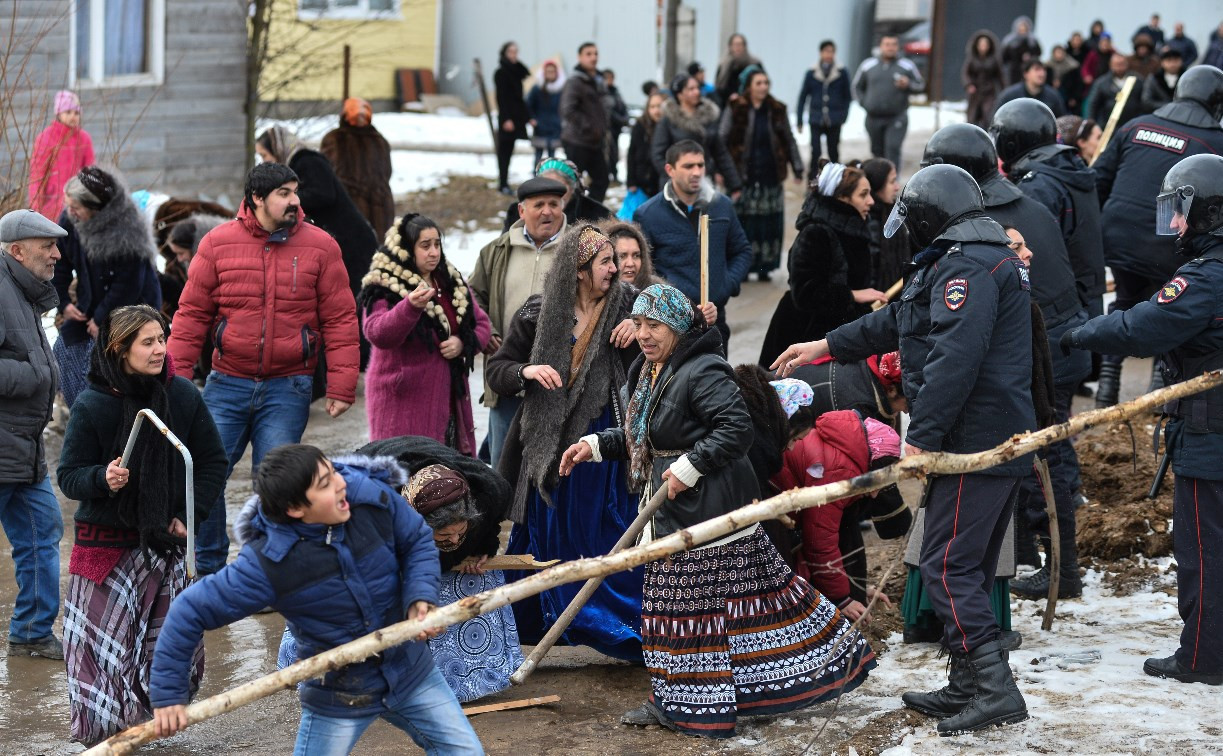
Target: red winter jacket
[838,445]
[266,304]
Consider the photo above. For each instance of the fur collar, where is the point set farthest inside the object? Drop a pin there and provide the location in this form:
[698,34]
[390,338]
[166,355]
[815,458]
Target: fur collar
[817,72]
[705,115]
[117,233]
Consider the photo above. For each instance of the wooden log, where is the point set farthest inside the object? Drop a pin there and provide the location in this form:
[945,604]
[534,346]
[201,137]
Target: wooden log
[520,703]
[916,466]
[891,293]
[513,562]
[1114,118]
[1055,543]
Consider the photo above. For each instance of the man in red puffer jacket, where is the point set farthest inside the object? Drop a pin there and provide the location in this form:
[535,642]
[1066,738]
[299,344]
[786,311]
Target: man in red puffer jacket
[270,288]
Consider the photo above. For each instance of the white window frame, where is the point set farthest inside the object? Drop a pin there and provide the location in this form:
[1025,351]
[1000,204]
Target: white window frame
[96,77]
[359,12]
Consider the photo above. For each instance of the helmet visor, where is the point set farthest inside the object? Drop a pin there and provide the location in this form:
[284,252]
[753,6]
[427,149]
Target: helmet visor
[1172,211]
[895,220]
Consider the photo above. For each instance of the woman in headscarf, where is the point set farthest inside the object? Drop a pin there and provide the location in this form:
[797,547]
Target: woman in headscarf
[735,59]
[719,618]
[512,112]
[981,75]
[829,263]
[578,206]
[182,242]
[757,134]
[109,252]
[424,329]
[569,350]
[688,115]
[361,157]
[60,152]
[632,253]
[1018,48]
[128,559]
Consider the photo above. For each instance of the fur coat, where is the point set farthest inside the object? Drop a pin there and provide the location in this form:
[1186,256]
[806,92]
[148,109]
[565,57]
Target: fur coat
[738,123]
[701,126]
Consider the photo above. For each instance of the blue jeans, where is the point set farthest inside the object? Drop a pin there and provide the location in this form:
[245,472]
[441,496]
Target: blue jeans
[499,419]
[429,713]
[265,414]
[34,526]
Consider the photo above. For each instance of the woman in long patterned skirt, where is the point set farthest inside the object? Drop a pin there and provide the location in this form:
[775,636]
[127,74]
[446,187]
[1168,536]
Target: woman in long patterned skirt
[727,628]
[127,563]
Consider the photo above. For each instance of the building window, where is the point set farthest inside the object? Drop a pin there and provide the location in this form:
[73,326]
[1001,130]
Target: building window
[119,41]
[359,9]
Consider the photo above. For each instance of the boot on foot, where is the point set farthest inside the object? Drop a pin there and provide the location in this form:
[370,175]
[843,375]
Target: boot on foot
[1169,667]
[1036,585]
[951,698]
[1109,386]
[997,700]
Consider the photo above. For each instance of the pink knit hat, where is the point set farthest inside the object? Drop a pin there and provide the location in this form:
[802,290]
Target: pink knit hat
[66,101]
[881,439]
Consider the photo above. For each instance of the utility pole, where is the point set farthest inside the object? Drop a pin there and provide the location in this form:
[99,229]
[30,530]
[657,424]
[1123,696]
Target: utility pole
[670,27]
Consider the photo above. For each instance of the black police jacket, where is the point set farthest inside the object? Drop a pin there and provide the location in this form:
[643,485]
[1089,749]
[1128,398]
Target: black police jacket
[964,328]
[1052,276]
[1056,177]
[1183,322]
[1128,176]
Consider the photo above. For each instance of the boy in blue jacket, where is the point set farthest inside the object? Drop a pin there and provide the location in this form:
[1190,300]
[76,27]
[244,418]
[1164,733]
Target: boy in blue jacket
[338,552]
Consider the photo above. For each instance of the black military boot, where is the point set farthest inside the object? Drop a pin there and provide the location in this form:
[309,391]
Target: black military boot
[997,700]
[1109,386]
[949,699]
[1171,668]
[1036,585]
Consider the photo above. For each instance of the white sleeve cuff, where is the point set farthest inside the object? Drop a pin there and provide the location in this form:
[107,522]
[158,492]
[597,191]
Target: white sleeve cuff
[683,469]
[593,440]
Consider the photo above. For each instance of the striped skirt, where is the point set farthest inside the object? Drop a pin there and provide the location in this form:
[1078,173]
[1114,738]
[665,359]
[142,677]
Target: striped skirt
[110,630]
[731,630]
[761,211]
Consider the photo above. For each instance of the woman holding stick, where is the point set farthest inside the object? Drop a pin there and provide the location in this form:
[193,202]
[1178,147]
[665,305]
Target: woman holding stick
[717,617]
[128,559]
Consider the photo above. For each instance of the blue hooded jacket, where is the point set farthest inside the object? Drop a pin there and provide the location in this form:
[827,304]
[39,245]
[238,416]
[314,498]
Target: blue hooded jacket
[333,584]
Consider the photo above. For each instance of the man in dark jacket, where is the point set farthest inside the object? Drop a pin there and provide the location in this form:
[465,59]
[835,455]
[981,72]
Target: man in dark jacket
[882,86]
[1033,85]
[826,85]
[584,119]
[1159,88]
[670,221]
[1183,45]
[617,119]
[1128,173]
[964,328]
[29,511]
[340,554]
[1104,91]
[1054,290]
[1180,324]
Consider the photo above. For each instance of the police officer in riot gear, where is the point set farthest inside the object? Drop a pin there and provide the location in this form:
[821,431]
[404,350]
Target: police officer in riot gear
[1025,134]
[1055,292]
[1183,323]
[963,324]
[1128,173]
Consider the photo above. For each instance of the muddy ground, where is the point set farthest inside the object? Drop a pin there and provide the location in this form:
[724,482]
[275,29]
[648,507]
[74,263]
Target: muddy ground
[594,690]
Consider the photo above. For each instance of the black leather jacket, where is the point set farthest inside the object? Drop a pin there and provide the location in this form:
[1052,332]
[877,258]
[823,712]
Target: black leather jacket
[695,410]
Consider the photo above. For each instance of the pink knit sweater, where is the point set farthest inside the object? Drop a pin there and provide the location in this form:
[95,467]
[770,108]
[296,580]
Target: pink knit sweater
[407,387]
[59,154]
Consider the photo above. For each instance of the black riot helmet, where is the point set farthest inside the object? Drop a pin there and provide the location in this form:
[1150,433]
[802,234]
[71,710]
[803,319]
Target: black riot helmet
[1021,126]
[966,146]
[935,199]
[1203,85]
[1190,201]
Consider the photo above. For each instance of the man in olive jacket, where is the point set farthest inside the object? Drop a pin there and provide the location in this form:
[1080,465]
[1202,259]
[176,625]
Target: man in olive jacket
[29,511]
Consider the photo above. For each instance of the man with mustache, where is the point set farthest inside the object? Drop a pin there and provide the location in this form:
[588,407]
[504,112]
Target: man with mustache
[272,290]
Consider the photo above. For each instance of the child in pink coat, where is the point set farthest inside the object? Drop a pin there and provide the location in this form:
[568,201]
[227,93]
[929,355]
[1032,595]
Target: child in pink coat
[60,152]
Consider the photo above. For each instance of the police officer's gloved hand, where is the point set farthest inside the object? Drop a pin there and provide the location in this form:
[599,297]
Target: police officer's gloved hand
[1066,342]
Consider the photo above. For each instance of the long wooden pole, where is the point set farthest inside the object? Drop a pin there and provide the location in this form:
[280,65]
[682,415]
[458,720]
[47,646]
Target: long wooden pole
[1055,543]
[916,466]
[704,233]
[1114,118]
[562,622]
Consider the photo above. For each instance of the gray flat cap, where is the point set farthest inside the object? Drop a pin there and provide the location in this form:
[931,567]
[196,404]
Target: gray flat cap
[28,224]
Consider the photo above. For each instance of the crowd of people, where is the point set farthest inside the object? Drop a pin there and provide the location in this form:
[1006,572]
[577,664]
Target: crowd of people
[606,381]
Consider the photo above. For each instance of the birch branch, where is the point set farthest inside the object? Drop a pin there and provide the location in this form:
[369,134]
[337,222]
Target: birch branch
[918,466]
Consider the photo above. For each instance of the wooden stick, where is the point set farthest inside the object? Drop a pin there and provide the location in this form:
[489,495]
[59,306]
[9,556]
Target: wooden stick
[562,622]
[891,293]
[520,703]
[1055,544]
[513,562]
[1114,118]
[916,466]
[704,234]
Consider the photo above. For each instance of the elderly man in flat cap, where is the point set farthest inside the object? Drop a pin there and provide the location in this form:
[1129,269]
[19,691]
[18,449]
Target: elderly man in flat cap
[29,511]
[510,269]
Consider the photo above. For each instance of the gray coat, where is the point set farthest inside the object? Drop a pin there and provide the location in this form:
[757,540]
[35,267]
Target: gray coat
[875,88]
[28,374]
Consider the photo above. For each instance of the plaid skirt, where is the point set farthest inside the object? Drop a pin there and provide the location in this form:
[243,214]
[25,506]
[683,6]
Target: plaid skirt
[761,211]
[730,630]
[110,630]
[73,362]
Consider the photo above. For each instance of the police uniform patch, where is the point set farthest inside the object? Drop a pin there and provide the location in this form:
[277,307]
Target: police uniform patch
[1025,280]
[955,293]
[1172,290]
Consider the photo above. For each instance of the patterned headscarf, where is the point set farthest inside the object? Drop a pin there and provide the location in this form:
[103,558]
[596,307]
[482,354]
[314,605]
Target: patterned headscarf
[886,368]
[590,241]
[881,440]
[830,179]
[793,394]
[434,486]
[357,112]
[282,143]
[560,166]
[667,305]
